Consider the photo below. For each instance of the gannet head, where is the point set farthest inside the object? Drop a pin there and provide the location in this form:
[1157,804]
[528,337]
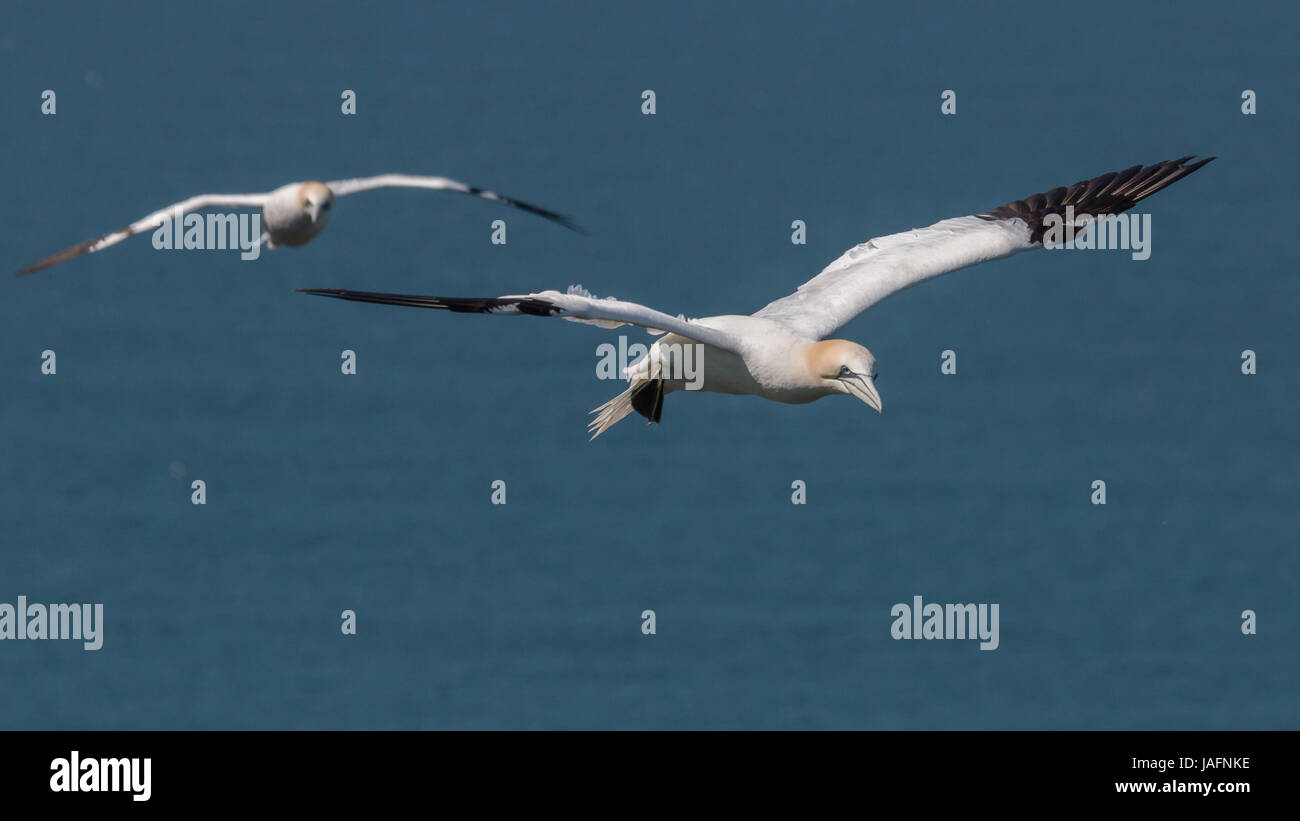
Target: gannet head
[845,367]
[316,200]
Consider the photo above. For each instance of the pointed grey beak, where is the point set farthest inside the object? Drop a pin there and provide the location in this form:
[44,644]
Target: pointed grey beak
[861,386]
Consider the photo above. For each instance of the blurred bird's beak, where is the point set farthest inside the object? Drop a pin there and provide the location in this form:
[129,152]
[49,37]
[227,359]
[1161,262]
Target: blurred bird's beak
[861,386]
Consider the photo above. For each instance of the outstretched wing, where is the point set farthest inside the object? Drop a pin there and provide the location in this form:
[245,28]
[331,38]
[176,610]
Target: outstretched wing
[342,188]
[577,305]
[148,223]
[869,272]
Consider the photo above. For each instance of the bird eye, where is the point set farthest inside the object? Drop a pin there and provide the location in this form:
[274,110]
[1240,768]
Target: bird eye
[844,370]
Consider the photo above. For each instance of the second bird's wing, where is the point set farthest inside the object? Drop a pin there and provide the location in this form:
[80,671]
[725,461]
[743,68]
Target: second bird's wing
[342,188]
[148,223]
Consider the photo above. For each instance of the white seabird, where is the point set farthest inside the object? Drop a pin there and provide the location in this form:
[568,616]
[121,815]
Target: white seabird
[292,214]
[780,352]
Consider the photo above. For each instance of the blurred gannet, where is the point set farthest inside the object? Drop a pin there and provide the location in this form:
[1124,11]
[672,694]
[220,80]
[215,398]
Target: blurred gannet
[292,214]
[780,352]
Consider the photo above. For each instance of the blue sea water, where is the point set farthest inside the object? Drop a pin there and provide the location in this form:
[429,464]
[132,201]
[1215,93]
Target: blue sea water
[372,492]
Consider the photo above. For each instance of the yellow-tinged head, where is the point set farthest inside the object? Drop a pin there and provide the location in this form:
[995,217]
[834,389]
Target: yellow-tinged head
[317,200]
[845,367]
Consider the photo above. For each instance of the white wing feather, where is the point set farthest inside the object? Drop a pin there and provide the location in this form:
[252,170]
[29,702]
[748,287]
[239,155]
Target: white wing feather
[867,273]
[342,188]
[583,307]
[148,223]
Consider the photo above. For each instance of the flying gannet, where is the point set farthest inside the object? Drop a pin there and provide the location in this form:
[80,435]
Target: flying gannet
[292,214]
[780,352]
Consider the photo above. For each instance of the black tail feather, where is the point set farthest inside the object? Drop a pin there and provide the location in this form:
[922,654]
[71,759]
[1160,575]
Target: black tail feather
[648,400]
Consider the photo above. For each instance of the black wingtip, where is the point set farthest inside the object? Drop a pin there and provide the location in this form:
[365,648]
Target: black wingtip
[531,305]
[378,298]
[575,227]
[333,293]
[553,216]
[1110,193]
[544,213]
[561,219]
[37,267]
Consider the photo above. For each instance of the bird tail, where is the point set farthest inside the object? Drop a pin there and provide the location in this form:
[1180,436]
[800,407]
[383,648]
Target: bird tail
[645,396]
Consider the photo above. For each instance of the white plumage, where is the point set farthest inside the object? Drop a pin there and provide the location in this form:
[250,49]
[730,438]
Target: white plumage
[292,214]
[779,352]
